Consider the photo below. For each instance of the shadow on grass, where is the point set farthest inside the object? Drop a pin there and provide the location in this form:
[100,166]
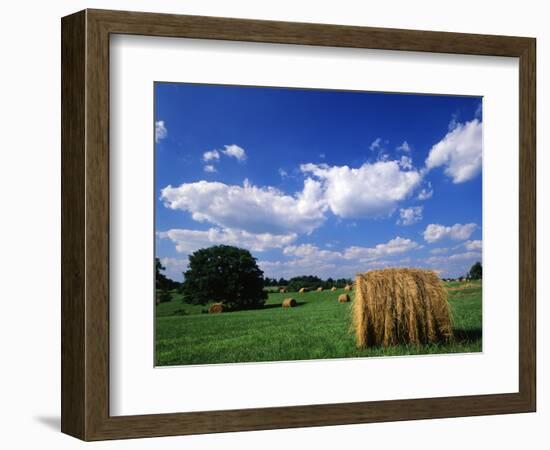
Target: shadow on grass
[264,307]
[279,305]
[470,335]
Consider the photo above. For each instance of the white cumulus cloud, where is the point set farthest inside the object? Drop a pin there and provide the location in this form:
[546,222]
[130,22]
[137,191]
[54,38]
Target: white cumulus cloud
[457,232]
[234,151]
[311,252]
[465,255]
[369,191]
[160,130]
[439,250]
[248,207]
[376,144]
[426,193]
[406,163]
[404,147]
[310,259]
[187,241]
[174,267]
[410,216]
[460,152]
[473,245]
[294,267]
[209,168]
[394,246]
[211,155]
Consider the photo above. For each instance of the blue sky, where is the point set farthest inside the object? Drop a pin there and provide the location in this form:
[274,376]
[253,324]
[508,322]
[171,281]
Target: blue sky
[319,182]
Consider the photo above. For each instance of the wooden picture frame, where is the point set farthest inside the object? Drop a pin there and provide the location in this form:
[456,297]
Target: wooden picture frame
[85,224]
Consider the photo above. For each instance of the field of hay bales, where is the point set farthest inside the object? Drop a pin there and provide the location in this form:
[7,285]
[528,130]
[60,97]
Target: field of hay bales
[318,327]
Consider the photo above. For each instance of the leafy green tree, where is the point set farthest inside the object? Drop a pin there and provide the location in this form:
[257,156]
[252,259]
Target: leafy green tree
[224,274]
[164,296]
[342,282]
[160,278]
[162,282]
[475,271]
[305,281]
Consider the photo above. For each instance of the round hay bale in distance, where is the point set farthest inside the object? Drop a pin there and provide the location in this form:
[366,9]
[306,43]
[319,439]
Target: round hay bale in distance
[302,290]
[333,288]
[343,298]
[319,289]
[289,303]
[400,306]
[282,290]
[348,288]
[216,308]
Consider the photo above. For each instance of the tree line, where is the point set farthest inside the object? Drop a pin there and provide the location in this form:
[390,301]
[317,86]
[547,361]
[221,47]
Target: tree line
[162,282]
[231,275]
[306,281]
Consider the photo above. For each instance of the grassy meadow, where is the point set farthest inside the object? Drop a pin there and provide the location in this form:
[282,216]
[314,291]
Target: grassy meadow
[317,328]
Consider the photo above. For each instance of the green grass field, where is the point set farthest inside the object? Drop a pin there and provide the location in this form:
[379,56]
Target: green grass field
[318,328]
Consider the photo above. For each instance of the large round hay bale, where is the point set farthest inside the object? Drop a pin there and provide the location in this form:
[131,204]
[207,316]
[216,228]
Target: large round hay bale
[343,298]
[400,306]
[216,308]
[302,290]
[319,289]
[289,303]
[282,290]
[333,288]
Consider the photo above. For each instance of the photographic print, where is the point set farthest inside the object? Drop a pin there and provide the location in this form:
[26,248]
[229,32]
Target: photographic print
[301,224]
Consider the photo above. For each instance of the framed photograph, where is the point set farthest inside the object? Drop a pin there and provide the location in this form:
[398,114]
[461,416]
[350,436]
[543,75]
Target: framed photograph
[272,225]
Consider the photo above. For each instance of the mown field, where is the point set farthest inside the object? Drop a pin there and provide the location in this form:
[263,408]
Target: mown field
[318,328]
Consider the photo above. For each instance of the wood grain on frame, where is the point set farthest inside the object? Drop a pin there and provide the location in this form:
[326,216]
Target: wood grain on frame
[85,224]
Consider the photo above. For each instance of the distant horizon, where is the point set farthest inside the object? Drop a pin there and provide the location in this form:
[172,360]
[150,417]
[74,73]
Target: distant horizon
[348,279]
[318,182]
